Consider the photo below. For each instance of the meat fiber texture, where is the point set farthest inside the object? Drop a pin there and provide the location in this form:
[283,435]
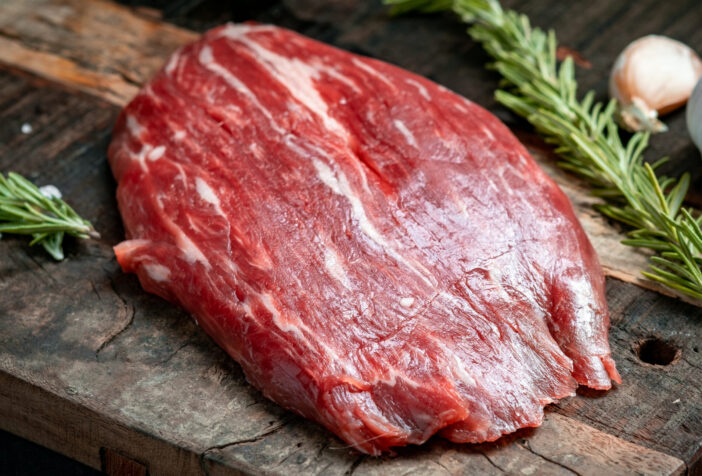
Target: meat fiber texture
[378,253]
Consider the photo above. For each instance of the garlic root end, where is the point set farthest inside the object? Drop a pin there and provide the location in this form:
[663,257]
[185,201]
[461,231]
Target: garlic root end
[637,117]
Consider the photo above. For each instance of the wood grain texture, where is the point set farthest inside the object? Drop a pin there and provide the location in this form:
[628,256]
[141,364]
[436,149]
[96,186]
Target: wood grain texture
[89,361]
[96,46]
[115,463]
[109,51]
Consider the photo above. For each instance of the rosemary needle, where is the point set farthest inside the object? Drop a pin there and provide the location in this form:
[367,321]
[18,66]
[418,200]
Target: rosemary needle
[25,210]
[586,138]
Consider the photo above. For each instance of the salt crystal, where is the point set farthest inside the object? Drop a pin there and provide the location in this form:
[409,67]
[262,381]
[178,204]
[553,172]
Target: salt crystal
[50,191]
[26,128]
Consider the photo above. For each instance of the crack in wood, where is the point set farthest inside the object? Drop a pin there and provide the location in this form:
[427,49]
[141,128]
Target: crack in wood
[43,270]
[203,455]
[489,460]
[95,291]
[527,447]
[279,463]
[354,466]
[114,336]
[322,449]
[127,79]
[203,466]
[131,312]
[172,354]
[441,465]
[253,439]
[9,35]
[690,363]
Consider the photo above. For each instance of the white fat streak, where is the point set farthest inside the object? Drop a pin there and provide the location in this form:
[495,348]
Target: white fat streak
[206,58]
[141,156]
[267,301]
[422,90]
[207,194]
[298,77]
[458,368]
[335,267]
[582,298]
[236,30]
[342,187]
[179,135]
[391,379]
[309,147]
[305,150]
[190,250]
[371,71]
[172,63]
[156,153]
[487,132]
[181,172]
[496,276]
[157,272]
[460,107]
[406,133]
[465,101]
[407,301]
[282,324]
[256,150]
[333,73]
[133,126]
[300,330]
[507,187]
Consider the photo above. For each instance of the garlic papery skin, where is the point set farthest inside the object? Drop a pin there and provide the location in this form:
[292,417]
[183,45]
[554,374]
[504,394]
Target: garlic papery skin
[694,115]
[651,77]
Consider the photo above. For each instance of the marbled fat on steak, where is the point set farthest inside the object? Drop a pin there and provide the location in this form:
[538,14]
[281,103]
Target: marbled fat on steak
[378,253]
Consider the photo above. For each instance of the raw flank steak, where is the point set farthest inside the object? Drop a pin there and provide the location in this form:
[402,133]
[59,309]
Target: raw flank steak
[378,253]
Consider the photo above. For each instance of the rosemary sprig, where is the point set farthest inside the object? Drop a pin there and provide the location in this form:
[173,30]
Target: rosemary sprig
[586,138]
[25,210]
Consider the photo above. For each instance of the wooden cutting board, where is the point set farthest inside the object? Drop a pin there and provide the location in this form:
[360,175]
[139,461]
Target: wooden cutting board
[93,367]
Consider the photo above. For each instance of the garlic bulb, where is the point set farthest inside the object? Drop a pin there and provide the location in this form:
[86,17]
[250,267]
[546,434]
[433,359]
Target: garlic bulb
[694,115]
[653,76]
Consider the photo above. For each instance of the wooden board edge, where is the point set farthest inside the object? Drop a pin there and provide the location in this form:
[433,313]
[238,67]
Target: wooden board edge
[65,426]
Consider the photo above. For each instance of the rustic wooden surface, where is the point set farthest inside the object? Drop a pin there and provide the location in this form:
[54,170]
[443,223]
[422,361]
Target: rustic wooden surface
[90,365]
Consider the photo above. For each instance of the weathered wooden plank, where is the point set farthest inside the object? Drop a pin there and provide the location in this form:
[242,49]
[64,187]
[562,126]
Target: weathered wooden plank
[86,435]
[659,405]
[96,46]
[90,361]
[560,446]
[108,51]
[111,87]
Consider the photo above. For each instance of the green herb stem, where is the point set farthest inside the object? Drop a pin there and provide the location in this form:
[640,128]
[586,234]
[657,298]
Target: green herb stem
[586,137]
[25,210]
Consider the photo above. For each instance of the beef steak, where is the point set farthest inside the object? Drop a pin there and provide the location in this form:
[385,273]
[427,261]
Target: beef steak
[378,253]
